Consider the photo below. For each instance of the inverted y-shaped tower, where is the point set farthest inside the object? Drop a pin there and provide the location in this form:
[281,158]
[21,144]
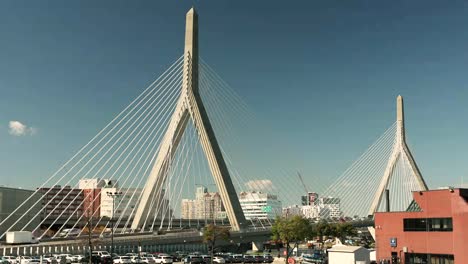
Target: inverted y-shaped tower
[400,150]
[190,106]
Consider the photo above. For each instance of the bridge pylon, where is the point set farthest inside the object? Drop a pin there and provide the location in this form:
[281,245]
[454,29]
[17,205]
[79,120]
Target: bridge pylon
[190,106]
[400,151]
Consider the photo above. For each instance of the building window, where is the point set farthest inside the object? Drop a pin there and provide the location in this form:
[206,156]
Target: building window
[420,258]
[427,224]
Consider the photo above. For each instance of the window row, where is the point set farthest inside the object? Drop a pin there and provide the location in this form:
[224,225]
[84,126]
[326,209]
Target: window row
[428,224]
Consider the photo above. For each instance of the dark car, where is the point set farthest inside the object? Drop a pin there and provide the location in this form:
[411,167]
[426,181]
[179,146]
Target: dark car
[237,258]
[206,259]
[228,258]
[96,259]
[192,259]
[267,258]
[249,259]
[258,259]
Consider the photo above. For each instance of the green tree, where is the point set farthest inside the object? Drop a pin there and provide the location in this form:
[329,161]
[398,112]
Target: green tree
[291,230]
[342,230]
[212,234]
[324,228]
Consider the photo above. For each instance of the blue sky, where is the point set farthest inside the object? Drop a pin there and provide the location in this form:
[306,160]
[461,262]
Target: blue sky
[322,75]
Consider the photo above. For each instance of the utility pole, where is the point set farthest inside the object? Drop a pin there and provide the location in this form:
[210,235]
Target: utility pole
[113,195]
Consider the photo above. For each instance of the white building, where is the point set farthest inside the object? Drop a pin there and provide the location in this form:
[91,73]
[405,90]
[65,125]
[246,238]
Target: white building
[340,254]
[260,205]
[205,206]
[310,211]
[330,207]
[189,209]
[322,208]
[96,183]
[126,204]
[292,210]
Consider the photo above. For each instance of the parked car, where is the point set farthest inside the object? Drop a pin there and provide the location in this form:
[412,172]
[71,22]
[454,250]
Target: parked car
[163,259]
[26,260]
[10,259]
[267,258]
[102,254]
[4,260]
[95,258]
[259,259]
[206,259]
[249,259]
[147,260]
[122,260]
[237,258]
[219,260]
[226,256]
[135,259]
[193,259]
[68,258]
[78,257]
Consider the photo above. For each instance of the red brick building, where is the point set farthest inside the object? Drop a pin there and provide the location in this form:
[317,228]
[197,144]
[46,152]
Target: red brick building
[92,202]
[434,229]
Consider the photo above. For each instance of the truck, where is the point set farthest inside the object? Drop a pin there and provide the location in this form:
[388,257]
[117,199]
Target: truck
[20,237]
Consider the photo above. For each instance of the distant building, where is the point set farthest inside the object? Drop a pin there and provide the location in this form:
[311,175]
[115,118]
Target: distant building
[292,210]
[61,202]
[432,230]
[329,207]
[10,200]
[92,194]
[126,204]
[206,205]
[189,210]
[260,205]
[317,208]
[96,183]
[92,202]
[311,211]
[309,199]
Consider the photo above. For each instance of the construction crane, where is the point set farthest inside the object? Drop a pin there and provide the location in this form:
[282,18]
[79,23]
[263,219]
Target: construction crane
[302,181]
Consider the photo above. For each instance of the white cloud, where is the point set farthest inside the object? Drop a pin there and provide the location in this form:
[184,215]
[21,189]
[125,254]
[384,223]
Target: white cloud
[19,129]
[260,185]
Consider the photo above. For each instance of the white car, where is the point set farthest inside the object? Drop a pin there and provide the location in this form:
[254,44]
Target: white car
[102,254]
[10,259]
[69,257]
[219,260]
[26,260]
[163,259]
[136,259]
[147,260]
[122,260]
[78,258]
[49,259]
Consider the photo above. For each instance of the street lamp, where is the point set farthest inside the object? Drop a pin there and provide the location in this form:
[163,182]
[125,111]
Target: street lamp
[113,195]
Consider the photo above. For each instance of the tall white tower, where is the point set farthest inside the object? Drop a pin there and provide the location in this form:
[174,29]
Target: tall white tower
[190,106]
[400,150]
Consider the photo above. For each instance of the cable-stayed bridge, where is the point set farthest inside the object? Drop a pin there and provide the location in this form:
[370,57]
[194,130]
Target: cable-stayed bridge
[166,143]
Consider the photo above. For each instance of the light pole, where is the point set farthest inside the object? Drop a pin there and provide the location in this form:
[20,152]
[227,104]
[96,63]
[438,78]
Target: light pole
[113,195]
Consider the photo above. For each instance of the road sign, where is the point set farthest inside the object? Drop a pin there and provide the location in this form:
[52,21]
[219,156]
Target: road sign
[266,209]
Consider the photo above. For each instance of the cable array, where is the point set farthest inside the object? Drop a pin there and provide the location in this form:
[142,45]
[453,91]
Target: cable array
[109,155]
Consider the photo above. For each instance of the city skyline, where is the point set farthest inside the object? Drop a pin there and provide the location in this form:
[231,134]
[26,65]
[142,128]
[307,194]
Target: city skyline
[48,112]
